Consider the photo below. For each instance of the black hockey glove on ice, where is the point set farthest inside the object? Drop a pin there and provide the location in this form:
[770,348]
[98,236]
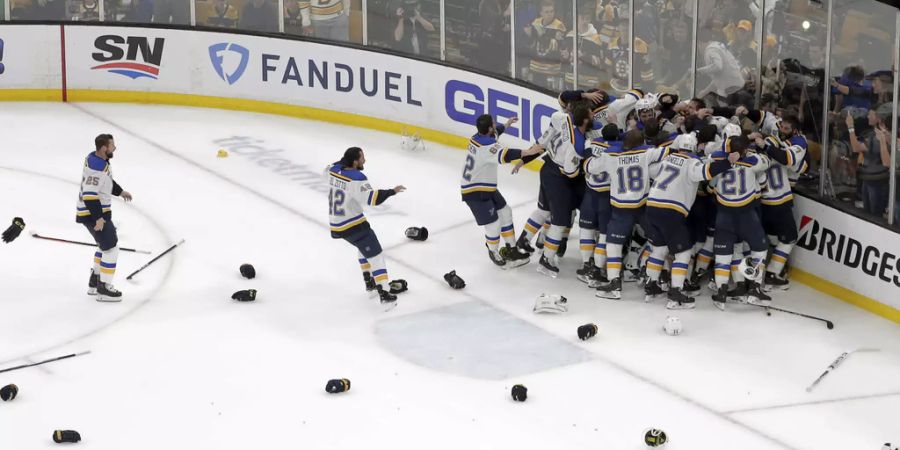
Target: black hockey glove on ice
[13,231]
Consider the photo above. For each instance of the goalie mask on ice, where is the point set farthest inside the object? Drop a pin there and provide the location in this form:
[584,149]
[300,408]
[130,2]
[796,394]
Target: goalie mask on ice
[751,269]
[551,303]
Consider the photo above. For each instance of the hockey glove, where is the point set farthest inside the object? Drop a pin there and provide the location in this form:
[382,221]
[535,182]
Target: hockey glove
[248,271]
[9,392]
[519,393]
[337,385]
[247,295]
[398,286]
[417,233]
[13,231]
[587,331]
[60,436]
[454,280]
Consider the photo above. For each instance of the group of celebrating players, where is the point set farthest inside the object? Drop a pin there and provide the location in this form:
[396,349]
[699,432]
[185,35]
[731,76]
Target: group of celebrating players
[661,189]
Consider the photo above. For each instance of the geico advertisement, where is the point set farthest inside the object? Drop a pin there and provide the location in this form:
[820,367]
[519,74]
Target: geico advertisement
[849,252]
[29,57]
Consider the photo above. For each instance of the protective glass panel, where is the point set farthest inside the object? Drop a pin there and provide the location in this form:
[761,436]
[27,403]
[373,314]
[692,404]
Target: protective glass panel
[663,37]
[861,105]
[543,42]
[602,46]
[478,34]
[408,26]
[85,10]
[727,52]
[334,20]
[252,15]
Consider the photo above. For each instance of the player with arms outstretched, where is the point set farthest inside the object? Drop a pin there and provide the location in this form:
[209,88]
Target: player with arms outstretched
[94,211]
[349,191]
[479,189]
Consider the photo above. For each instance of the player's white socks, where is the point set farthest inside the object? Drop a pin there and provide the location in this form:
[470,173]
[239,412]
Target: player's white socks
[492,235]
[723,269]
[97,258]
[600,251]
[681,268]
[587,243]
[507,231]
[108,264]
[552,240]
[613,260]
[645,255]
[736,258]
[364,263]
[535,222]
[779,257]
[379,271]
[655,261]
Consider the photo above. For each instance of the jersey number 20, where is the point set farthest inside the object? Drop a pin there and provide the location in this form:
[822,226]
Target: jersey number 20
[336,202]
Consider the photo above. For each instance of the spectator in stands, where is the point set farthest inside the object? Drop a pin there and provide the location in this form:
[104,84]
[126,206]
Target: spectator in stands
[223,15]
[873,146]
[330,19]
[259,15]
[45,10]
[721,70]
[294,22]
[544,36]
[172,11]
[852,90]
[409,34]
[88,10]
[743,47]
[138,11]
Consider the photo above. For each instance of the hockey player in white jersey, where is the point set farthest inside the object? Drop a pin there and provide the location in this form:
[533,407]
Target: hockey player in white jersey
[629,171]
[349,192]
[595,211]
[480,193]
[737,219]
[669,201]
[787,152]
[94,211]
[561,179]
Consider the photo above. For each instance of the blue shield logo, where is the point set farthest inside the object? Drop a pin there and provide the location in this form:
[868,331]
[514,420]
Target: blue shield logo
[216,56]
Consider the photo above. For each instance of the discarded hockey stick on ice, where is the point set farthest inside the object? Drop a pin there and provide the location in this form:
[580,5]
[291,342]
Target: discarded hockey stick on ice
[828,323]
[154,259]
[89,244]
[836,363]
[45,361]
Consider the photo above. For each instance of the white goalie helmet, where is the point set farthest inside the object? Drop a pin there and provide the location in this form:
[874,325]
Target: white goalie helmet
[650,101]
[686,142]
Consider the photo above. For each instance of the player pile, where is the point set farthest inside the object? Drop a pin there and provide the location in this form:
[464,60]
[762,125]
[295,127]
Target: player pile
[667,193]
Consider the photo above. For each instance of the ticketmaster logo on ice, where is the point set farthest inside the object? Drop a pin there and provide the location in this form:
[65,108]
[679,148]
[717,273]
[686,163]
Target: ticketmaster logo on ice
[272,159]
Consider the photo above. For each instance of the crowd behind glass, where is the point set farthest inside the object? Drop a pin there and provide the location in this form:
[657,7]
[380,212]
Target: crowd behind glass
[775,55]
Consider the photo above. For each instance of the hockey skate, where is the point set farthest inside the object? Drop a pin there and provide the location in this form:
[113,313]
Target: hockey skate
[514,257]
[546,267]
[720,297]
[611,290]
[496,258]
[388,300]
[651,290]
[597,278]
[665,280]
[93,281]
[739,293]
[107,293]
[370,282]
[523,244]
[678,300]
[562,247]
[756,296]
[690,288]
[584,273]
[776,282]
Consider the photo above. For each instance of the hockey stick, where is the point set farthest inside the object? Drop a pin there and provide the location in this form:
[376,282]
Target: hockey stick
[89,244]
[45,361]
[154,259]
[828,323]
[836,363]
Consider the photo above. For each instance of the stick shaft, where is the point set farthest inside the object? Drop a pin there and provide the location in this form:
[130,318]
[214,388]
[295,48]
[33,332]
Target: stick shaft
[154,259]
[45,361]
[833,366]
[89,244]
[827,322]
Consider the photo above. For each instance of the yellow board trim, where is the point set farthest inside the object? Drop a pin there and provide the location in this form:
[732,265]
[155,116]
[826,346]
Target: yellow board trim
[842,293]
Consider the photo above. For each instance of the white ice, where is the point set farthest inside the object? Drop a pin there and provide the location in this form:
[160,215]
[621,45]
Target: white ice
[178,365]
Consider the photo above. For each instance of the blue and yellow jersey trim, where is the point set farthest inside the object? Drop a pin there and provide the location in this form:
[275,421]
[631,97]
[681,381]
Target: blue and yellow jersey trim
[637,94]
[667,204]
[628,204]
[89,195]
[738,202]
[478,187]
[348,224]
[501,155]
[779,200]
[339,176]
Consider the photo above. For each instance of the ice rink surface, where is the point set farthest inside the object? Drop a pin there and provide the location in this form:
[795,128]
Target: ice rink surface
[178,365]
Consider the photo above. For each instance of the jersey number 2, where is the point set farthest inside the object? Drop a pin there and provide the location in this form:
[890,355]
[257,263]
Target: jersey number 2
[336,202]
[470,164]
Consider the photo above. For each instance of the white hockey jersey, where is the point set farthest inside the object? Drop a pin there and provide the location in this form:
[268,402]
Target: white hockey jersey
[629,172]
[677,179]
[599,181]
[619,107]
[740,185]
[480,171]
[97,190]
[565,144]
[349,191]
[788,161]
